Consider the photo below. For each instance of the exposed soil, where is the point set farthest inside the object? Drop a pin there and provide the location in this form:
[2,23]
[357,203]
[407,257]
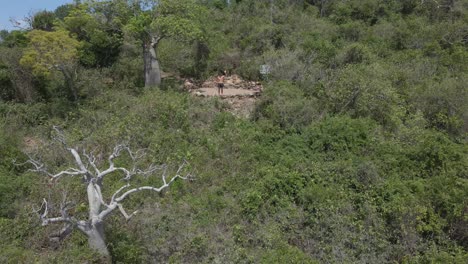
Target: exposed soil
[31,144]
[241,95]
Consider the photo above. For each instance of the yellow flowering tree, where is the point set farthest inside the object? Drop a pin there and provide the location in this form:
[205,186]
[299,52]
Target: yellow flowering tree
[52,52]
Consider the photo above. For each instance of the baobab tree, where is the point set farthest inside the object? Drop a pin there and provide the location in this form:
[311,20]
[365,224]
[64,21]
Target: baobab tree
[156,20]
[88,168]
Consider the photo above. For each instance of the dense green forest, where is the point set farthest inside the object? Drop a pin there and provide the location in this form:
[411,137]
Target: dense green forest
[356,151]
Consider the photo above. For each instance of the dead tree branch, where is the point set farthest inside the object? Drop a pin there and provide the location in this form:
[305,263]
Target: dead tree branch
[89,167]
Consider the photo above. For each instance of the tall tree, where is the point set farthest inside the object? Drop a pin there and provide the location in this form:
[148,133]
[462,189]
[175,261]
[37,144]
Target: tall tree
[43,20]
[156,20]
[98,25]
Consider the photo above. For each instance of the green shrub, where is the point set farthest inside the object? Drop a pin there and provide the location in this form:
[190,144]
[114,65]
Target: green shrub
[356,54]
[251,202]
[286,105]
[286,254]
[341,134]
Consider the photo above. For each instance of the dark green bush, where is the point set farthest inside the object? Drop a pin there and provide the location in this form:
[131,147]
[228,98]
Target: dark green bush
[340,135]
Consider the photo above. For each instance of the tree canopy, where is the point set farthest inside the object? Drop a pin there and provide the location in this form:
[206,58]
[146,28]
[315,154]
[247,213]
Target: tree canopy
[50,51]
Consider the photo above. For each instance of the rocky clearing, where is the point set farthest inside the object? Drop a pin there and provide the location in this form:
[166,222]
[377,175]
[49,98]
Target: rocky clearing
[241,95]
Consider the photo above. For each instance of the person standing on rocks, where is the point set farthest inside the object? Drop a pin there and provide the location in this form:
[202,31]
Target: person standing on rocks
[220,82]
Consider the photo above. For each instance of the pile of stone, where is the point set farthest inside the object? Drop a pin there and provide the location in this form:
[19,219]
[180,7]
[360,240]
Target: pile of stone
[234,81]
[230,82]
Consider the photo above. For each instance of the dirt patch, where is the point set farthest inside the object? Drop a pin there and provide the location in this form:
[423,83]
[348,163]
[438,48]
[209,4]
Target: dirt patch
[31,144]
[242,107]
[241,95]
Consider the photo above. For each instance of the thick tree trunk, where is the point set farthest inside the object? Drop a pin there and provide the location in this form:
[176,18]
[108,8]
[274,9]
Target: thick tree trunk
[152,69]
[95,227]
[97,240]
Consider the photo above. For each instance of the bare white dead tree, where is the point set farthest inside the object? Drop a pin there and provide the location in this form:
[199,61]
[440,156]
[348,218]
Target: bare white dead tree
[87,168]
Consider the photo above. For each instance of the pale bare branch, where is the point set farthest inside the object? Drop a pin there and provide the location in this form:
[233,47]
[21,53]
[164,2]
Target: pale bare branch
[142,188]
[116,201]
[128,174]
[118,191]
[59,136]
[150,170]
[104,213]
[149,188]
[164,175]
[92,161]
[124,213]
[45,220]
[39,167]
[78,160]
[116,153]
[82,226]
[93,179]
[99,193]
